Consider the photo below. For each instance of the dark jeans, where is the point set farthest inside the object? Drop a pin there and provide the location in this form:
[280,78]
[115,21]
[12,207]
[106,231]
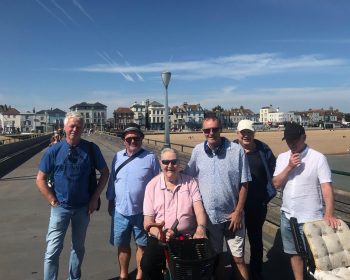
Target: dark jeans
[254,220]
[153,260]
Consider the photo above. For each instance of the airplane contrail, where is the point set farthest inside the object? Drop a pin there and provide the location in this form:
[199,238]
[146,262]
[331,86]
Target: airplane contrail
[110,61]
[50,12]
[128,64]
[63,11]
[81,8]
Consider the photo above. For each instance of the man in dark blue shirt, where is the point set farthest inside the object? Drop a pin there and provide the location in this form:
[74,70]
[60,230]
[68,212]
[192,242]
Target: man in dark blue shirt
[262,165]
[71,162]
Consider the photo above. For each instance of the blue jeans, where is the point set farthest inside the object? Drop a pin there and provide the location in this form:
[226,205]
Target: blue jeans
[287,235]
[58,225]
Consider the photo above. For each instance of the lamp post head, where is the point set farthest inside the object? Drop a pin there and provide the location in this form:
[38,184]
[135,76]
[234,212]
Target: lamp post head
[166,78]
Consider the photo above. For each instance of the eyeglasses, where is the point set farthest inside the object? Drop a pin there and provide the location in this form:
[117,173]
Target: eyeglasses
[213,130]
[168,161]
[72,153]
[130,139]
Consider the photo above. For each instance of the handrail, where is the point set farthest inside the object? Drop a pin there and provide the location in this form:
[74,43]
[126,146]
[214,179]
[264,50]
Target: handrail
[340,172]
[12,138]
[156,142]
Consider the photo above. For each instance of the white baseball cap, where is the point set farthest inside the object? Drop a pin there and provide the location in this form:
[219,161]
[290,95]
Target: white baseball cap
[245,124]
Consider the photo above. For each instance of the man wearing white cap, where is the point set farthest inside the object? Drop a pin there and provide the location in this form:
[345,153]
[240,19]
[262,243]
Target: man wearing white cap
[262,165]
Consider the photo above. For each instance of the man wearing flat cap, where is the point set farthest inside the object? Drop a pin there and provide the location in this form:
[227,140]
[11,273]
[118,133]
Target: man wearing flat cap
[132,169]
[305,177]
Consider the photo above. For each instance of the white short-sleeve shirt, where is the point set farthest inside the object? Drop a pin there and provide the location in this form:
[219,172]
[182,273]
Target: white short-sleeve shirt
[302,195]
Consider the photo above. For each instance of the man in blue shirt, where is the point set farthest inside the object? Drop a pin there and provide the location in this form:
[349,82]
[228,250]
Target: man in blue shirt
[71,162]
[125,194]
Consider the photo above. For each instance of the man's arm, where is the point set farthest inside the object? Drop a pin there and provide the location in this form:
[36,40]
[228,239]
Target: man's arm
[327,193]
[201,219]
[236,215]
[104,174]
[41,183]
[281,179]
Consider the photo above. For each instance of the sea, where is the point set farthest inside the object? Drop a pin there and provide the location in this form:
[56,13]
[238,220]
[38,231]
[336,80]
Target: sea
[340,163]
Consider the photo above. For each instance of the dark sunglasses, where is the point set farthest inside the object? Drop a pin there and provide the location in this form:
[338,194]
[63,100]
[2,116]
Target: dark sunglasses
[212,130]
[130,139]
[168,161]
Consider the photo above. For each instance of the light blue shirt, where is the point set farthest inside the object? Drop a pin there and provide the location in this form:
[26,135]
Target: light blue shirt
[128,187]
[220,176]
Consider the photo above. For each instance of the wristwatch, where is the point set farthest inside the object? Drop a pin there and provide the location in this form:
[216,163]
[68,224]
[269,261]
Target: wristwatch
[54,203]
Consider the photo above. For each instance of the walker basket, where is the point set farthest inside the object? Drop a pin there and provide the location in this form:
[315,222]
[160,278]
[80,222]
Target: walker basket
[191,259]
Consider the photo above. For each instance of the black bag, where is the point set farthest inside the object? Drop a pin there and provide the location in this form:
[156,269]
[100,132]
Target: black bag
[92,178]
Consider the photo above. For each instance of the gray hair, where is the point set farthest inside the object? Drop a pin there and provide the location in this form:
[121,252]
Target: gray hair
[74,115]
[165,150]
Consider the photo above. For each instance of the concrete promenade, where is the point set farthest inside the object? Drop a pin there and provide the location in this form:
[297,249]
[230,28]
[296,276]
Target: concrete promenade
[23,225]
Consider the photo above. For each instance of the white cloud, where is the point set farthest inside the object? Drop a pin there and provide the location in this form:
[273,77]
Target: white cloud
[231,67]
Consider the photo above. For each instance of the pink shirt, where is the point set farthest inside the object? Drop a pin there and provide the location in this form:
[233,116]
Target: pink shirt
[178,204]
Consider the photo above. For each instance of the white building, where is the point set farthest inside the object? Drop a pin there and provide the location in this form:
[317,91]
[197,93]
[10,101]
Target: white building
[264,113]
[95,114]
[28,122]
[156,113]
[186,116]
[10,121]
[280,117]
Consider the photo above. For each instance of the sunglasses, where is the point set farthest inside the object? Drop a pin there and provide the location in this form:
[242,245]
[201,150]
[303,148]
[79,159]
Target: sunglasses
[168,161]
[212,130]
[72,154]
[130,139]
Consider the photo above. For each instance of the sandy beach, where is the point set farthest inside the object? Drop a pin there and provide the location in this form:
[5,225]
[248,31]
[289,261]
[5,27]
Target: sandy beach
[335,142]
[327,142]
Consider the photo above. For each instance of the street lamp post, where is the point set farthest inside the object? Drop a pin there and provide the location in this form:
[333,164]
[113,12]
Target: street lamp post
[166,79]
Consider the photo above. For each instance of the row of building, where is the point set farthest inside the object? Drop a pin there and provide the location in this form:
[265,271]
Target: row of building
[151,116]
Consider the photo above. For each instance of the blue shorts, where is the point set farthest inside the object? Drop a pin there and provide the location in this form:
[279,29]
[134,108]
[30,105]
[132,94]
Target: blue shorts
[122,227]
[287,235]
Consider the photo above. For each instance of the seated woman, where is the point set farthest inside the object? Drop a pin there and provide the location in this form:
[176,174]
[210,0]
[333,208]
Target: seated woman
[170,198]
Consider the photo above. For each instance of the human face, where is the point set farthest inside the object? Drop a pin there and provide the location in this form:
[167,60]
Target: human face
[73,130]
[246,138]
[132,142]
[211,131]
[296,145]
[169,168]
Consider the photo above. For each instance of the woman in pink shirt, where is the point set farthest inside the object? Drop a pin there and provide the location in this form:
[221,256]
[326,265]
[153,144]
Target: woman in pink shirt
[173,198]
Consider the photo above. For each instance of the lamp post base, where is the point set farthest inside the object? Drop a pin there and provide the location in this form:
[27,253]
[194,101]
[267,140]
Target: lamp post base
[166,145]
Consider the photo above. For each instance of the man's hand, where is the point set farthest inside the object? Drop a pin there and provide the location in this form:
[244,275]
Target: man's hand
[93,204]
[169,234]
[294,160]
[200,232]
[235,220]
[332,221]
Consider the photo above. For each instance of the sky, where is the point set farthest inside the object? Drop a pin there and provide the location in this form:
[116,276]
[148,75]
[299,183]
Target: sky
[291,54]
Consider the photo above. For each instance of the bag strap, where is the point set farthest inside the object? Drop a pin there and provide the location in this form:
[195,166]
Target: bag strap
[92,154]
[126,162]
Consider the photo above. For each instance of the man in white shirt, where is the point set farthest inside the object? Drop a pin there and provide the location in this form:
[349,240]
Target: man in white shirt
[305,177]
